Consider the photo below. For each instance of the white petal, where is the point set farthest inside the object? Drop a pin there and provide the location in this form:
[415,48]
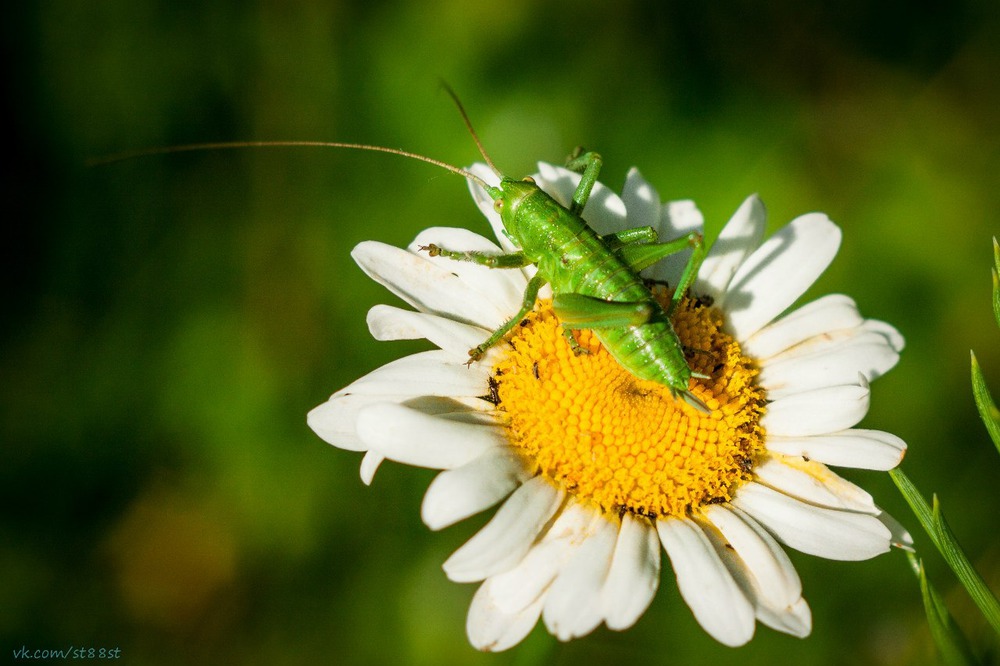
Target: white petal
[412,437]
[434,372]
[862,449]
[491,629]
[505,540]
[777,603]
[427,286]
[888,331]
[634,575]
[821,362]
[901,537]
[335,421]
[868,329]
[835,535]
[465,491]
[502,287]
[765,560]
[391,323]
[604,212]
[573,603]
[762,570]
[795,619]
[813,482]
[642,202]
[524,584]
[833,312]
[705,583]
[741,236]
[369,465]
[677,218]
[775,275]
[817,412]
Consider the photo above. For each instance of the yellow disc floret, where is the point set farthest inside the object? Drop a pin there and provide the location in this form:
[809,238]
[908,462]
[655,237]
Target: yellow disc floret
[622,443]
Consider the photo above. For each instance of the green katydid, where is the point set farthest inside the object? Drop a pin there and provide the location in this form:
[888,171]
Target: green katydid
[595,279]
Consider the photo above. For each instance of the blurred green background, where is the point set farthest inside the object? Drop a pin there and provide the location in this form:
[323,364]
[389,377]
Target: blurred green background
[170,320]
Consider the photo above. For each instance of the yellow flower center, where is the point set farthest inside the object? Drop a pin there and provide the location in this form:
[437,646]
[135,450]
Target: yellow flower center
[623,443]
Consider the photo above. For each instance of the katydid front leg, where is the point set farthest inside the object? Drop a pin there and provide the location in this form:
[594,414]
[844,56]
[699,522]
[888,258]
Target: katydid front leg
[527,303]
[490,260]
[509,260]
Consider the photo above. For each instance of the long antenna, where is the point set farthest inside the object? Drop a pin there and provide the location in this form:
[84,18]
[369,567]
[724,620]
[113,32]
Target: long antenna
[228,145]
[472,131]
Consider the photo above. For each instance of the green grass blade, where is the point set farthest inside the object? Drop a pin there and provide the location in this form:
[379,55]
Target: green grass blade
[988,411]
[950,640]
[934,524]
[996,280]
[916,501]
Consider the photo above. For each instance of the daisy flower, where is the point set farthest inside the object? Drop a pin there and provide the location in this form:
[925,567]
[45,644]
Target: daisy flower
[599,471]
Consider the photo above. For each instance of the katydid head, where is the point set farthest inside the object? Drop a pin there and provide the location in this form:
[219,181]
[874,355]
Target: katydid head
[508,198]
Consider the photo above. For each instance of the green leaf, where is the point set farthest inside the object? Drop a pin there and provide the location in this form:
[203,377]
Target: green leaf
[934,524]
[988,411]
[950,640]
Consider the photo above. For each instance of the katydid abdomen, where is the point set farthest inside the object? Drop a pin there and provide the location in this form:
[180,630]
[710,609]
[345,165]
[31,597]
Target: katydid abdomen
[574,260]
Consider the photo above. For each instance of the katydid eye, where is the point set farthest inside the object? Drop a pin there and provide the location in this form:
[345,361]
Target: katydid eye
[498,205]
[528,179]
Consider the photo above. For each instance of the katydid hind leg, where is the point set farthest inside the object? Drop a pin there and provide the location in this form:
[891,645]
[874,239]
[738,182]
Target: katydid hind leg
[579,311]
